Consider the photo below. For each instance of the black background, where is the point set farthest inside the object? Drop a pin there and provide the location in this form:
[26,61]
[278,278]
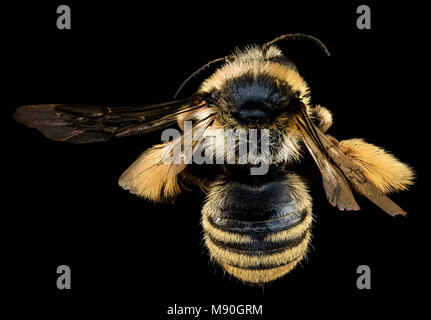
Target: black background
[63,204]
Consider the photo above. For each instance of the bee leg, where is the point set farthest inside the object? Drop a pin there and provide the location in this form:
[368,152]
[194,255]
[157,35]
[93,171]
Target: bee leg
[321,117]
[384,170]
[150,178]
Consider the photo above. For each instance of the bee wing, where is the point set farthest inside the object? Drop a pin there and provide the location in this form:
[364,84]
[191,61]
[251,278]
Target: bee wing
[196,134]
[155,174]
[337,169]
[336,186]
[86,123]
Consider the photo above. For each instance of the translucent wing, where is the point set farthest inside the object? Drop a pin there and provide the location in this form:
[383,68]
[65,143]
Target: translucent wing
[155,175]
[85,123]
[338,170]
[336,186]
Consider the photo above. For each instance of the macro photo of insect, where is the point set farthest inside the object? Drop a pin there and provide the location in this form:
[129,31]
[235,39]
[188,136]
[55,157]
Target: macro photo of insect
[253,112]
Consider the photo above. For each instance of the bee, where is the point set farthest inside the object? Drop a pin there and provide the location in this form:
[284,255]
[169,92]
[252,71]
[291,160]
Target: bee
[256,227]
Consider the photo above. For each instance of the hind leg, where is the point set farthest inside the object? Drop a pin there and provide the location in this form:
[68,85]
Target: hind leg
[383,169]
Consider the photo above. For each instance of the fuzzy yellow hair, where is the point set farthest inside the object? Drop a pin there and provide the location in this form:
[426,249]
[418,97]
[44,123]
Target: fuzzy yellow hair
[379,166]
[152,179]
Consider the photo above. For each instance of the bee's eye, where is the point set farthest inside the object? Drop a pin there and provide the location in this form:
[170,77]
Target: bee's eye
[215,95]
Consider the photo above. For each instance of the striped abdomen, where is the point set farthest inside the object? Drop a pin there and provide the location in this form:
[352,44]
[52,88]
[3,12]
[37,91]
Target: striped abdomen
[258,232]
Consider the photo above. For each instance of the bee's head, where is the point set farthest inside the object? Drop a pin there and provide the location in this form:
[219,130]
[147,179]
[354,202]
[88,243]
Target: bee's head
[256,87]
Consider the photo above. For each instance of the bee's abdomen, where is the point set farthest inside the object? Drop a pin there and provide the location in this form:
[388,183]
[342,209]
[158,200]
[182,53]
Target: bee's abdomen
[258,232]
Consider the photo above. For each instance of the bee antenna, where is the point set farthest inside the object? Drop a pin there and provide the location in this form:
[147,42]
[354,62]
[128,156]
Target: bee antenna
[194,74]
[299,36]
